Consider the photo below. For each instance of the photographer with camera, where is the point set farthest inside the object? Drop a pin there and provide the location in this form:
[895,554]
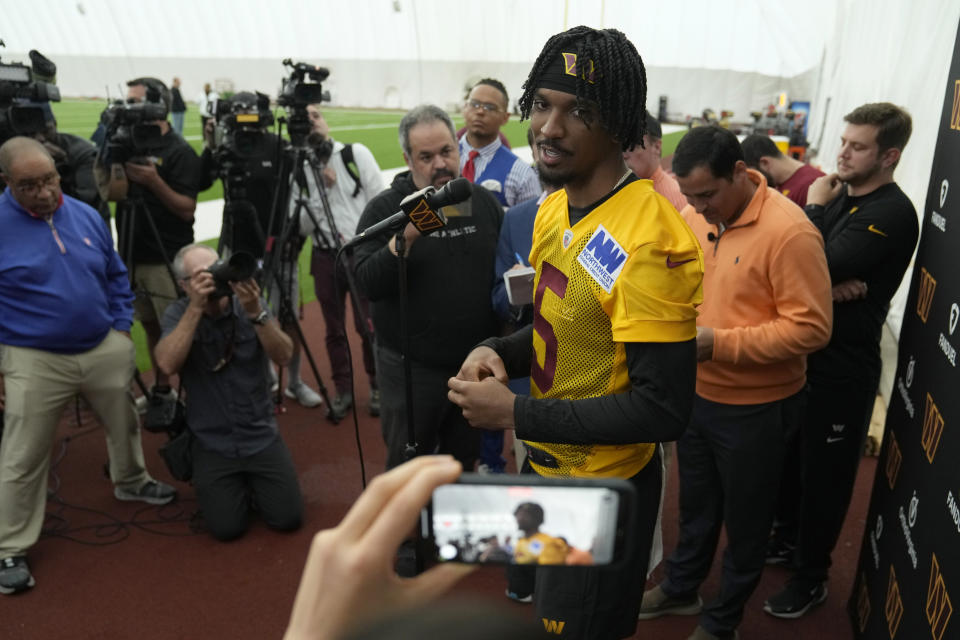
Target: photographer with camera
[352,178]
[161,169]
[219,339]
[64,330]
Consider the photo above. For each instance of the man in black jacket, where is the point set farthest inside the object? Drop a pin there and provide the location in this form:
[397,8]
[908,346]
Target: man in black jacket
[449,276]
[869,229]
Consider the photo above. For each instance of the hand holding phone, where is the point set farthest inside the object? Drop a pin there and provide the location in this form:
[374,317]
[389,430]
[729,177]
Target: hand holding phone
[349,578]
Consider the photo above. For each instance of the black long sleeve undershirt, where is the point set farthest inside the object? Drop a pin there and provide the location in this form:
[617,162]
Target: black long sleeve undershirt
[656,408]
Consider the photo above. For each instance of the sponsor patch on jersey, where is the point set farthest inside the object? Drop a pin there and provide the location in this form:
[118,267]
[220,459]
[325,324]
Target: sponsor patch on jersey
[536,547]
[492,185]
[603,258]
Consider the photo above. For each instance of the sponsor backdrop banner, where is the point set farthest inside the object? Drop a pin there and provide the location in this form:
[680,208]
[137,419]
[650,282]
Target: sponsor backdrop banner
[908,579]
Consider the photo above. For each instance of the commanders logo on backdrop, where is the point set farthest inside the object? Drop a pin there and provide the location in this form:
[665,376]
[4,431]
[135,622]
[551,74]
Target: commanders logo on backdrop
[893,608]
[894,458]
[932,429]
[955,113]
[863,603]
[925,294]
[939,608]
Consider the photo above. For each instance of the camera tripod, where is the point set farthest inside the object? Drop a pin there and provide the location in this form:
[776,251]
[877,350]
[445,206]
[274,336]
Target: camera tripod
[126,237]
[299,159]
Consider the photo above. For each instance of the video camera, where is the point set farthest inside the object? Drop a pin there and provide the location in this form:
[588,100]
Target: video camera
[242,122]
[130,129]
[20,83]
[302,88]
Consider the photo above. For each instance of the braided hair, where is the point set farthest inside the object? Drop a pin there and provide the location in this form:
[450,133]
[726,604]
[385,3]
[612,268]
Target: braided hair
[620,87]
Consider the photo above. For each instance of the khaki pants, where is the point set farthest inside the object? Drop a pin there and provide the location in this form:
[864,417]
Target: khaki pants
[39,384]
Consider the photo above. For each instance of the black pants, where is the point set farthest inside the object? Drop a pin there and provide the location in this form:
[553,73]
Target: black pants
[227,486]
[730,461]
[838,418]
[602,603]
[439,424]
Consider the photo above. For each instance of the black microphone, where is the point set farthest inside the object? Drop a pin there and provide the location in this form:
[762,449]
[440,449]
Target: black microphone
[422,208]
[711,237]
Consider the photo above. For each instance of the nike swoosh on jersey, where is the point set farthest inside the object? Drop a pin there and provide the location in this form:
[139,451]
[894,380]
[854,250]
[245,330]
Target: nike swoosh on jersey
[673,265]
[876,231]
[831,440]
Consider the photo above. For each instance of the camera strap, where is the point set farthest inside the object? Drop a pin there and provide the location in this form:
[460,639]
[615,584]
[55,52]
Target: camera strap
[346,154]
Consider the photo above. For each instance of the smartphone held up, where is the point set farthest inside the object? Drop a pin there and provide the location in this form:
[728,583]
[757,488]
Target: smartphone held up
[528,519]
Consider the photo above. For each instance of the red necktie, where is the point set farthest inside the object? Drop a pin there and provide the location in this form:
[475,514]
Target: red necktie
[468,169]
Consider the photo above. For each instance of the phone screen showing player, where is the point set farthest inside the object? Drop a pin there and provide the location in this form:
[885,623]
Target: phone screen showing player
[527,524]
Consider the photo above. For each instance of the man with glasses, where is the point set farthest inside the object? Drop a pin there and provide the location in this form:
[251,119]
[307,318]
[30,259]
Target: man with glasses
[64,330]
[484,160]
[219,343]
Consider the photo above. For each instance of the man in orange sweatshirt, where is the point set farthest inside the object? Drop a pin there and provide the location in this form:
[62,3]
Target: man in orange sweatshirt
[766,305]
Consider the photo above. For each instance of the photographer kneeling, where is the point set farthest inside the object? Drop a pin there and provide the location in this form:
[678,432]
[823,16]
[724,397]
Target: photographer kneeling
[220,344]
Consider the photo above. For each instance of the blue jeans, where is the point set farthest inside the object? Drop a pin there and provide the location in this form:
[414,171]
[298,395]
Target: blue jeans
[178,121]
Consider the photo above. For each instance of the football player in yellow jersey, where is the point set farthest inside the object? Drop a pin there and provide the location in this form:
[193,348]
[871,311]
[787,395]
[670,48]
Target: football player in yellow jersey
[536,547]
[611,350]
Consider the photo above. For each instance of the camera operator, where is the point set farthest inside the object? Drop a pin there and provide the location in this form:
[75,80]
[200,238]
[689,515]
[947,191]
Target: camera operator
[246,161]
[219,338]
[352,178]
[249,179]
[166,181]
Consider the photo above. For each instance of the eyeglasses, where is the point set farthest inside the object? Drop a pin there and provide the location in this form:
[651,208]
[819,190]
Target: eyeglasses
[33,187]
[486,106]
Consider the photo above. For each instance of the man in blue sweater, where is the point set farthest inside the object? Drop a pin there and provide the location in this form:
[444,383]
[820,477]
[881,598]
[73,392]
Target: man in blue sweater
[65,315]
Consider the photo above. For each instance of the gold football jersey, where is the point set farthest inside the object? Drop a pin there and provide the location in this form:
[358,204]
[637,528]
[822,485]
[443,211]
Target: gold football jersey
[629,271]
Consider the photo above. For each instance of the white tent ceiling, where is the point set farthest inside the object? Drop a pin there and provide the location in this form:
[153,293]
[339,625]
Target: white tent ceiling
[411,51]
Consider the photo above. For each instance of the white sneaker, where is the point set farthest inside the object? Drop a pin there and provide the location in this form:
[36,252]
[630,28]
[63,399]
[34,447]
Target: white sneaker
[304,395]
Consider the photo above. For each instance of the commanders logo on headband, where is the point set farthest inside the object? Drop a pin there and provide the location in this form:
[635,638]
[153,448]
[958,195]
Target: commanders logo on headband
[570,67]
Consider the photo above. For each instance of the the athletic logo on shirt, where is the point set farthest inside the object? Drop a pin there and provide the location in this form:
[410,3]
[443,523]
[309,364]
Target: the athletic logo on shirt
[603,258]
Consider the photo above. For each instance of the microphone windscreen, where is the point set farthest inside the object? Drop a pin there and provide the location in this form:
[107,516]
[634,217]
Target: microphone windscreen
[455,191]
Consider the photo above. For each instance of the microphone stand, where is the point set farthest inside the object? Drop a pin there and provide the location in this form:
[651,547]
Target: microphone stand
[410,450]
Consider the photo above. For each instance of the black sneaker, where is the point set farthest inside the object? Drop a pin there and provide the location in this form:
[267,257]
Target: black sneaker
[341,404]
[656,603]
[780,552]
[796,599]
[152,493]
[15,575]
